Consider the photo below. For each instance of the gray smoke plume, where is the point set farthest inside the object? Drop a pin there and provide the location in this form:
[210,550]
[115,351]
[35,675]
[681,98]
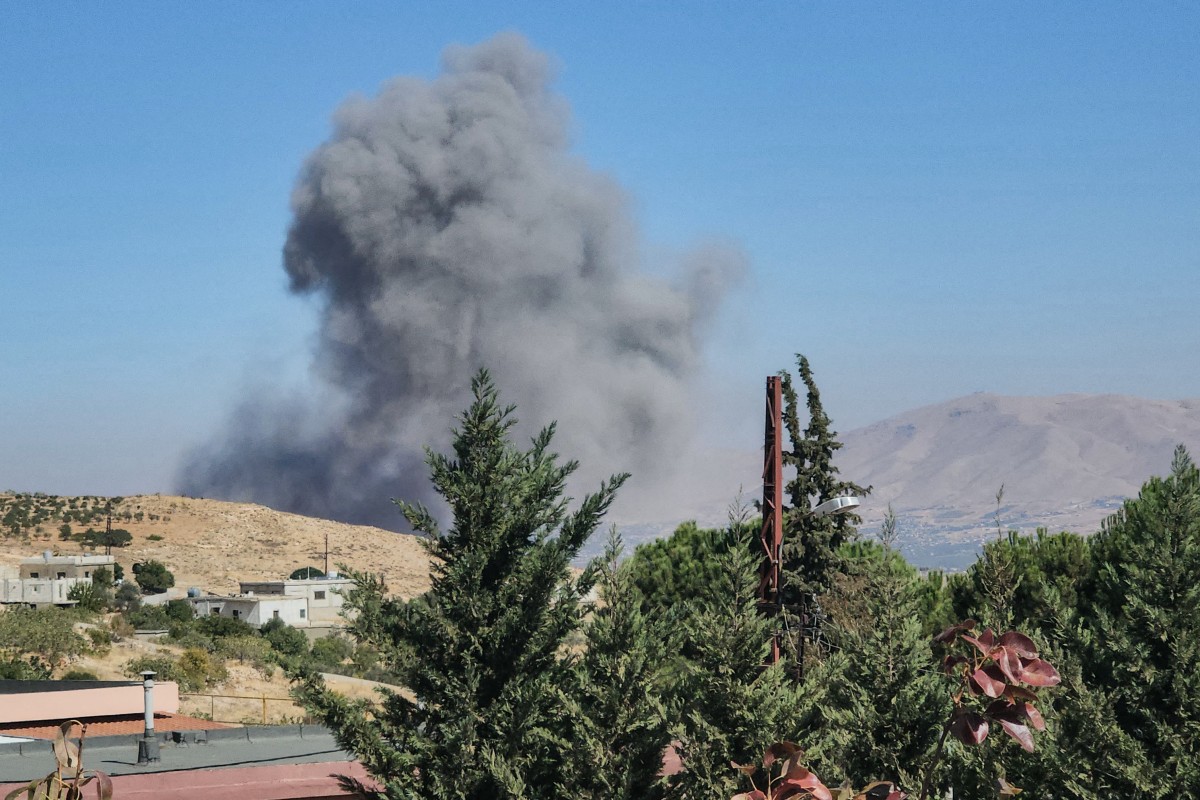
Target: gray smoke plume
[445,226]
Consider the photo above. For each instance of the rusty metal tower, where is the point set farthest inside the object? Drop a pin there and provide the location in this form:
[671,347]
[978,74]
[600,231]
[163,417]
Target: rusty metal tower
[771,536]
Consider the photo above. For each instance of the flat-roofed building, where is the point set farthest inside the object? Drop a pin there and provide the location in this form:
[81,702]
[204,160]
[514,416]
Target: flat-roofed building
[48,579]
[48,565]
[310,603]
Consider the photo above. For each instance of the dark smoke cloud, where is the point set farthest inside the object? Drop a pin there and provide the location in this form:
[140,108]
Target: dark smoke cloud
[445,226]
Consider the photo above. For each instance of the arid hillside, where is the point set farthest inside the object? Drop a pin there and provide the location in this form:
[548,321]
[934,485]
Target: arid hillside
[213,544]
[1065,462]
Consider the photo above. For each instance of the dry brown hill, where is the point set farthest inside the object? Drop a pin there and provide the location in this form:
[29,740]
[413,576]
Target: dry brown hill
[1065,462]
[213,544]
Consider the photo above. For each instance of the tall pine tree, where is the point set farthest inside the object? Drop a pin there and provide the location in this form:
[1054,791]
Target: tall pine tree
[482,655]
[1141,611]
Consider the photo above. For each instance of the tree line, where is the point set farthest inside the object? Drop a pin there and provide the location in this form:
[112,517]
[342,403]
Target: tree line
[516,684]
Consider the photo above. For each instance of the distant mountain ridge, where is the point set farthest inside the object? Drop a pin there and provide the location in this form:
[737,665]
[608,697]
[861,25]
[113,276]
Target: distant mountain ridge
[1065,462]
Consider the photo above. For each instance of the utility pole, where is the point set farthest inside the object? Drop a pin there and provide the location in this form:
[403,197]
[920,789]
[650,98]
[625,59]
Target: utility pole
[327,555]
[771,536]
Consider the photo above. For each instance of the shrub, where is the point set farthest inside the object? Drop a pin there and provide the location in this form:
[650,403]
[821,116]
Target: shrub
[163,667]
[153,577]
[24,668]
[120,627]
[285,639]
[149,618]
[180,611]
[199,670]
[103,578]
[80,675]
[220,627]
[194,670]
[44,632]
[127,598]
[88,597]
[330,653]
[187,636]
[253,650]
[101,640]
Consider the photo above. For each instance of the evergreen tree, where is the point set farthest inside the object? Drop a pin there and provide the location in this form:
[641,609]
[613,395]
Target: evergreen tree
[481,655]
[1141,615]
[873,709]
[624,721]
[153,577]
[810,555]
[729,706]
[684,566]
[811,544]
[1085,753]
[1044,571]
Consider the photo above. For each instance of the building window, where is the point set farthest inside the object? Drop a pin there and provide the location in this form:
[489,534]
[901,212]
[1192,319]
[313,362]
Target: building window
[62,574]
[236,613]
[33,575]
[319,595]
[87,574]
[276,613]
[302,613]
[215,611]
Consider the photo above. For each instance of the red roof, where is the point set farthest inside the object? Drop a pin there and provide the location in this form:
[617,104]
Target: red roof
[116,726]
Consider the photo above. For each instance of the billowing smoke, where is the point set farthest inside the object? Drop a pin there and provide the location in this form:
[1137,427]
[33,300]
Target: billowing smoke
[445,226]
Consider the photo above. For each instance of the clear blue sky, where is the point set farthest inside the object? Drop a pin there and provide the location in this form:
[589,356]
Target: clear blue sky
[936,198]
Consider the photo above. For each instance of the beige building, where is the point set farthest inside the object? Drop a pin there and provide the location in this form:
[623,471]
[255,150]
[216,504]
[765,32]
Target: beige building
[48,565]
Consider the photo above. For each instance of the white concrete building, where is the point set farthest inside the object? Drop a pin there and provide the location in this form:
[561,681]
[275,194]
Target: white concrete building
[48,579]
[313,603]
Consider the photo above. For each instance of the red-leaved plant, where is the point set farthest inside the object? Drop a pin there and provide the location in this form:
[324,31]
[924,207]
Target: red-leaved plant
[785,776]
[996,682]
[997,679]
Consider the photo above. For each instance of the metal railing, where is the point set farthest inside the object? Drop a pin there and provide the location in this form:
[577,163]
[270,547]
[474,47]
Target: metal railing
[257,699]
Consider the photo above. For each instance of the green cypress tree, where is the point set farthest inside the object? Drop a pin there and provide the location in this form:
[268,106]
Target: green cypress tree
[482,655]
[1141,614]
[873,709]
[623,717]
[729,706]
[811,544]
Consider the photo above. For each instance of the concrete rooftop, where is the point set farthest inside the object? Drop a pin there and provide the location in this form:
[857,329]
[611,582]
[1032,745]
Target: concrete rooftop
[252,746]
